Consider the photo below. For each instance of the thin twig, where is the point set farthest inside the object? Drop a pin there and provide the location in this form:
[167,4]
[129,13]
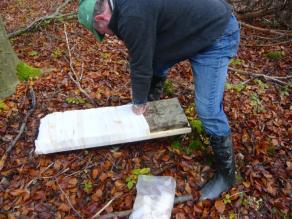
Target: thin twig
[267,77]
[80,171]
[263,37]
[278,32]
[268,45]
[39,176]
[116,214]
[21,130]
[238,193]
[58,174]
[258,13]
[184,198]
[105,206]
[68,200]
[76,79]
[177,200]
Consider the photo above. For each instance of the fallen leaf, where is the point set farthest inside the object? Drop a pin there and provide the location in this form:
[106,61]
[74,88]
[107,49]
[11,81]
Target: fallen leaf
[180,216]
[198,209]
[165,158]
[271,189]
[18,192]
[69,217]
[188,188]
[57,165]
[119,184]
[187,157]
[33,172]
[95,173]
[117,154]
[289,165]
[107,164]
[42,207]
[109,209]
[103,176]
[97,195]
[45,215]
[64,207]
[246,184]
[73,182]
[39,195]
[11,216]
[220,206]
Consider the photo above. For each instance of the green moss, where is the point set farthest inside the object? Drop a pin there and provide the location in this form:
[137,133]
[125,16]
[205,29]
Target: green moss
[104,55]
[133,177]
[235,87]
[168,88]
[88,186]
[234,62]
[33,53]
[256,102]
[275,55]
[57,53]
[195,144]
[197,126]
[25,72]
[286,89]
[262,86]
[75,100]
[176,144]
[271,150]
[3,106]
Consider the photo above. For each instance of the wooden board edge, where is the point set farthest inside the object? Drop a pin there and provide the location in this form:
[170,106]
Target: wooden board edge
[153,135]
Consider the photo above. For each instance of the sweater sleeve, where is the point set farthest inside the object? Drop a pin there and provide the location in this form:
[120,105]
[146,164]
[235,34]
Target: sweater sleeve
[140,39]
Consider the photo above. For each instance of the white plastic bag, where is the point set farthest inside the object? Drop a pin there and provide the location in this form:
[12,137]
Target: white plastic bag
[155,197]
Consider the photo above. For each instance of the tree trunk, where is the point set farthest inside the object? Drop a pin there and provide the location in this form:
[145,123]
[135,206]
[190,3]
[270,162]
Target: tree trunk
[8,63]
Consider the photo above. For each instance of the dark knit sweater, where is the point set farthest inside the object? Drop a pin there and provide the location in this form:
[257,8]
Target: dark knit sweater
[157,32]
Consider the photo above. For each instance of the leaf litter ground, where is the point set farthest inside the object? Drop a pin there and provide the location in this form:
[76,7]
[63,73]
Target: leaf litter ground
[50,186]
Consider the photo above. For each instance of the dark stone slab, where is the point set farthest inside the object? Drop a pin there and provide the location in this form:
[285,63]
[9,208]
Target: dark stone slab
[165,115]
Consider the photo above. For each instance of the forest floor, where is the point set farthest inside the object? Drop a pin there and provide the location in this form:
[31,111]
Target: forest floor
[79,183]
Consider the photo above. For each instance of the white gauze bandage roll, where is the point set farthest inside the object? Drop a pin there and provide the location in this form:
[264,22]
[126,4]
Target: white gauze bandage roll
[155,197]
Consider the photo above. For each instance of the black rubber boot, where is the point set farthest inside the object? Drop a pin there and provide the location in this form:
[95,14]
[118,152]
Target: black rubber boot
[224,176]
[156,88]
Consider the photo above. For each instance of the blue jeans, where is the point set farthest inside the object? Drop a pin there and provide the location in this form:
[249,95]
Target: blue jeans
[210,71]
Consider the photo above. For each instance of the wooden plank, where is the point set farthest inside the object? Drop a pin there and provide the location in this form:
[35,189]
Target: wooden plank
[80,129]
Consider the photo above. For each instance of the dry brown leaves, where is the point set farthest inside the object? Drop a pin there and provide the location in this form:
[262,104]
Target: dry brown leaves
[29,184]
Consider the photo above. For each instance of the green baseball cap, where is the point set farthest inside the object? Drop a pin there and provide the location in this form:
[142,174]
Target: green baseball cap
[85,17]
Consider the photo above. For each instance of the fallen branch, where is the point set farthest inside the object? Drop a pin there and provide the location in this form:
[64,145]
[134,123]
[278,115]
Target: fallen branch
[259,13]
[268,45]
[76,79]
[38,21]
[23,125]
[267,77]
[68,200]
[118,214]
[278,32]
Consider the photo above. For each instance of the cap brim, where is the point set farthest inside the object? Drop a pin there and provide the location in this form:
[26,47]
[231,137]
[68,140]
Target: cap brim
[85,15]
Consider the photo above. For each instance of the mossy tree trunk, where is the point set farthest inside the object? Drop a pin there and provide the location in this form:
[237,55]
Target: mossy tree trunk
[8,63]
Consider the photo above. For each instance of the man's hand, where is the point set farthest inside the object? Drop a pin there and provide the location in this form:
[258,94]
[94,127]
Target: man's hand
[139,109]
